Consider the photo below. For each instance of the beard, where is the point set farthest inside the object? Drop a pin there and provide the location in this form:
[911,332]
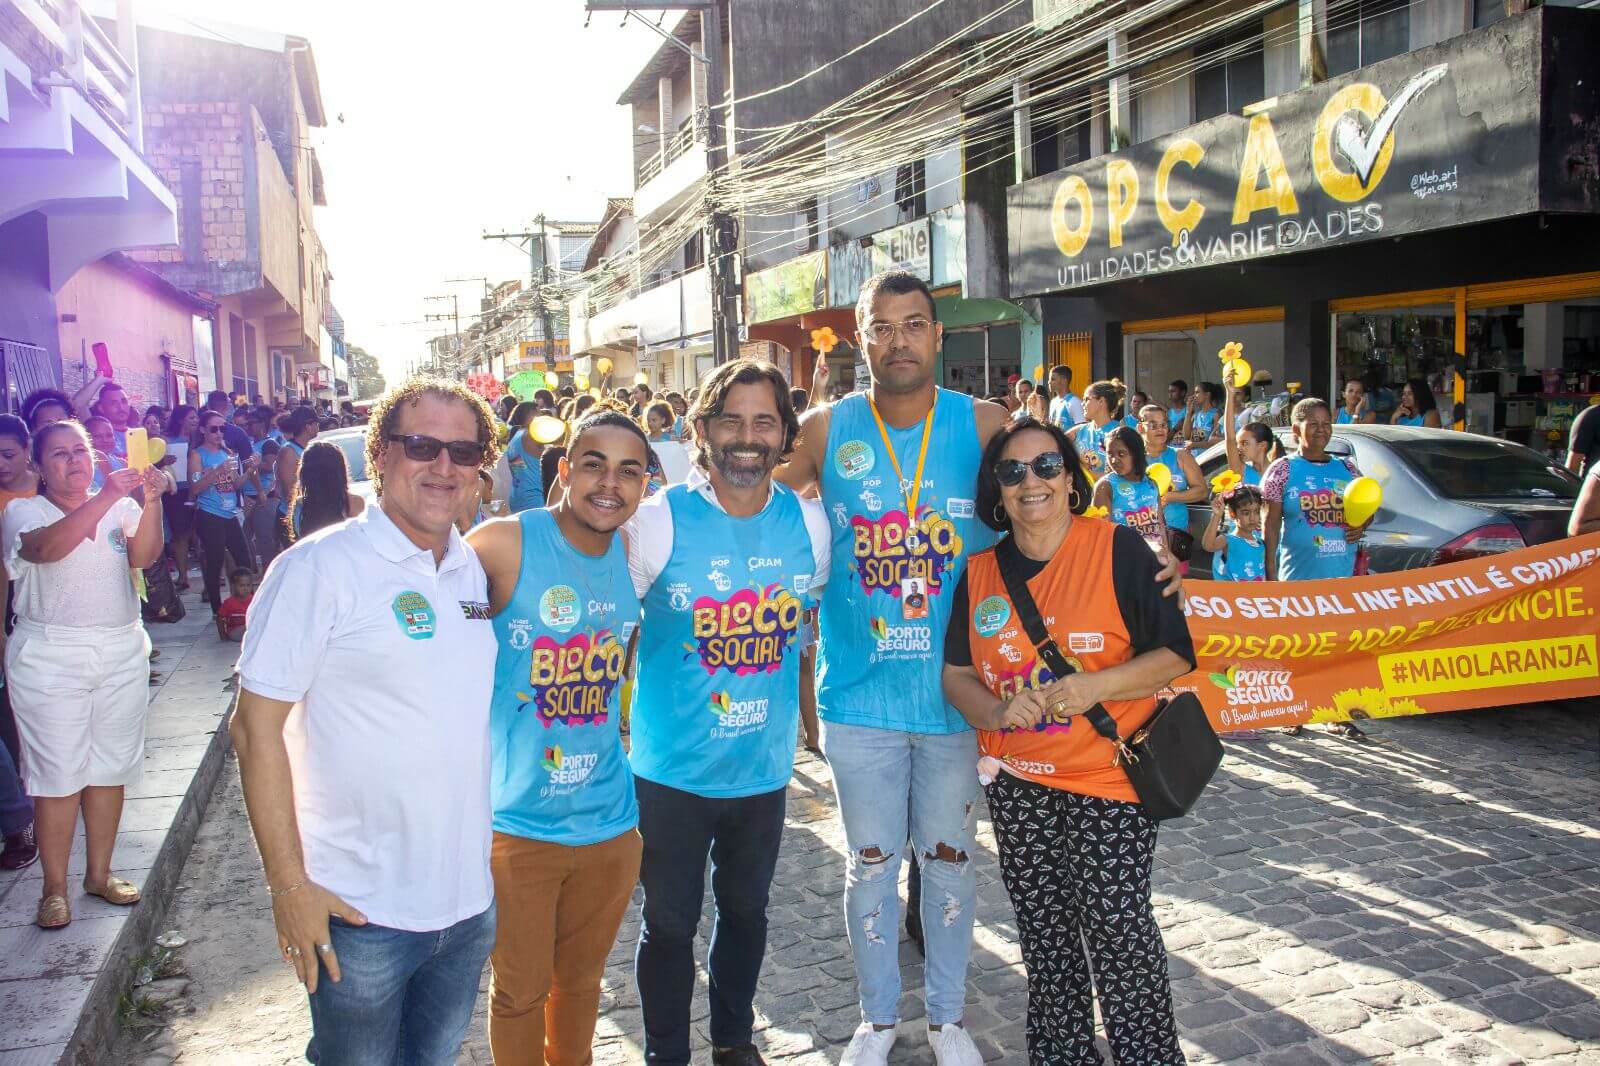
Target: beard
[740,473]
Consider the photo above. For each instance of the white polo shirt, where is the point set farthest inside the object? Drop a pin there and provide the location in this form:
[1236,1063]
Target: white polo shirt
[389,660]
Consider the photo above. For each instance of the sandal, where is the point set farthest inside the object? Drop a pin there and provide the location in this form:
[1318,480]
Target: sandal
[117,892]
[53,913]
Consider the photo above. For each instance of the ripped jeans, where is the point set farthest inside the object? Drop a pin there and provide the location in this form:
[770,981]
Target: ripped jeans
[885,779]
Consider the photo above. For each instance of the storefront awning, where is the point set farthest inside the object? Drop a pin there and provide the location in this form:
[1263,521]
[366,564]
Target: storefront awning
[956,312]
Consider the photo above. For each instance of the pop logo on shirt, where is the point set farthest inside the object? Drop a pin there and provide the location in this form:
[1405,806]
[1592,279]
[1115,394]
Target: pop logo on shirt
[415,615]
[883,562]
[748,632]
[1324,507]
[573,681]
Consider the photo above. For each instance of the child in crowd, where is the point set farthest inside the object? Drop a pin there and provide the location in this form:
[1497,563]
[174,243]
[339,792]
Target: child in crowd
[1238,554]
[231,615]
[1127,493]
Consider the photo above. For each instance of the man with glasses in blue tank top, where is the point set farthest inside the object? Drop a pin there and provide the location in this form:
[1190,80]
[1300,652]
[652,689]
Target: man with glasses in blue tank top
[726,564]
[897,468]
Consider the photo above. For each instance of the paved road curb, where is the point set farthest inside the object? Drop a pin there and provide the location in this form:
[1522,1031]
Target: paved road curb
[98,1024]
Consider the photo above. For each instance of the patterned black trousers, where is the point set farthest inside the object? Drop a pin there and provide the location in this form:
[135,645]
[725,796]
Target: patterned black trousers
[1077,869]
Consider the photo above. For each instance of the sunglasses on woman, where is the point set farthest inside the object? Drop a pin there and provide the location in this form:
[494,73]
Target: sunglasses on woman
[423,449]
[1047,466]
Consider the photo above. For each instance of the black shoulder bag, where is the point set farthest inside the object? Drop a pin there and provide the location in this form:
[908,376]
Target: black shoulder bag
[1170,758]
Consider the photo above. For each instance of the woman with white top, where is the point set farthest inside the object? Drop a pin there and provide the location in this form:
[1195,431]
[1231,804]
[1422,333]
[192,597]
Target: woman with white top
[78,662]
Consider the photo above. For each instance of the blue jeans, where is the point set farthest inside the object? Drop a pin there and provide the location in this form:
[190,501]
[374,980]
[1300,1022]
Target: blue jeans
[741,836]
[405,999]
[16,809]
[888,782]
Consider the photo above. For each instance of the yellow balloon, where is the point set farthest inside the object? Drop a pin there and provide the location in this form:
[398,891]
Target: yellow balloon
[1159,473]
[547,429]
[156,449]
[641,378]
[1238,373]
[1362,498]
[581,381]
[603,365]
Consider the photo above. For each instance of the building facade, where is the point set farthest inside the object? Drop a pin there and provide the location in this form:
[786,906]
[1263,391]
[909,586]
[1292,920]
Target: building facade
[1386,192]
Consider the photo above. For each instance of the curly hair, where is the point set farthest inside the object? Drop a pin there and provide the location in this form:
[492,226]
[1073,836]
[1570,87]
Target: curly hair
[386,414]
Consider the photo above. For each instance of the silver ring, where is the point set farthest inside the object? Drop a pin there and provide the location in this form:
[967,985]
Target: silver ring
[293,951]
[324,948]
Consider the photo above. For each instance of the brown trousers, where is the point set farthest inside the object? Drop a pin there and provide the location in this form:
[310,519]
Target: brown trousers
[559,909]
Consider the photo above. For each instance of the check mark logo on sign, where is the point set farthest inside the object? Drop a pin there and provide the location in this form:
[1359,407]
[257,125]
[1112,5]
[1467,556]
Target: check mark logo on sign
[1360,149]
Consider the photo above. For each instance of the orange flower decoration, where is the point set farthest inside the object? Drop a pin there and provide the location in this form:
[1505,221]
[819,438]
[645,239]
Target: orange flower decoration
[1226,482]
[824,339]
[1230,351]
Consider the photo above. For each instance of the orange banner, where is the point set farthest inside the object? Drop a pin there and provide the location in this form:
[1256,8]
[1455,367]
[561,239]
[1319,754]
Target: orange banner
[1504,629]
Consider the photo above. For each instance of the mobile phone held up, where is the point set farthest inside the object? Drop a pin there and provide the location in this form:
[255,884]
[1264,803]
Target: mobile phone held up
[102,359]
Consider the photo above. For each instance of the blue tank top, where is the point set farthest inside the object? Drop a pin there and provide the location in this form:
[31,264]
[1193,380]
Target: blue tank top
[876,667]
[1343,418]
[717,700]
[1245,560]
[1175,418]
[1175,514]
[1252,476]
[1202,423]
[1312,544]
[283,497]
[1131,421]
[1091,443]
[264,474]
[527,479]
[214,501]
[559,773]
[1414,420]
[1137,505]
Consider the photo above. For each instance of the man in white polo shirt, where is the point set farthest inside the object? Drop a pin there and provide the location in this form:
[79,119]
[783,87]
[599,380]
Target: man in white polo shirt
[363,740]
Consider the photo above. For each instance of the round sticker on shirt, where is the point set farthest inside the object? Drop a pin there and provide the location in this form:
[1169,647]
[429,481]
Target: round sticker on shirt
[854,459]
[119,542]
[991,616]
[415,615]
[559,608]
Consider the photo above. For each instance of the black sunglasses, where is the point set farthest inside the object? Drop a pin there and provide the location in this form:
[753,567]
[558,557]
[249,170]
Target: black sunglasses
[421,449]
[1046,465]
[215,427]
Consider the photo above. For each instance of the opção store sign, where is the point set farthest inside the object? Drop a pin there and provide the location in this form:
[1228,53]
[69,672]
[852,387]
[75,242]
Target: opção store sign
[1444,136]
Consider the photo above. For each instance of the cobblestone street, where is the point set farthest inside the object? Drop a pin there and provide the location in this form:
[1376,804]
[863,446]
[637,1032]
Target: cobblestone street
[1431,896]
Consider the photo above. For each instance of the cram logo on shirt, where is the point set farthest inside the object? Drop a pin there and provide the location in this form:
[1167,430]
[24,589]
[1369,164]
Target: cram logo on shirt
[883,562]
[747,633]
[573,680]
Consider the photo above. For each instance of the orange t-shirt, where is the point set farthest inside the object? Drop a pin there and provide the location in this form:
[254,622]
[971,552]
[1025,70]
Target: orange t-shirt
[1077,599]
[7,497]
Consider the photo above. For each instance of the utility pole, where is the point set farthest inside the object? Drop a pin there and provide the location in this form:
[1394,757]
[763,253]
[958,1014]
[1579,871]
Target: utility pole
[538,277]
[722,234]
[454,317]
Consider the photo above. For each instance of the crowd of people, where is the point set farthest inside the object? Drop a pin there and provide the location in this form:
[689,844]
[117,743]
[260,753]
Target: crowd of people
[570,647]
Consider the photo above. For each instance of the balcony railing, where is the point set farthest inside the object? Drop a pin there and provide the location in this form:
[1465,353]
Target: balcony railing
[94,65]
[681,143]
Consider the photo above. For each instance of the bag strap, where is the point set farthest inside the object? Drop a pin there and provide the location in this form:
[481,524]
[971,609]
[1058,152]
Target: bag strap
[1045,644]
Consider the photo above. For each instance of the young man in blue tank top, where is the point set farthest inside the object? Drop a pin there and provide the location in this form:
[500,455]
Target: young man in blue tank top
[566,852]
[726,564]
[897,468]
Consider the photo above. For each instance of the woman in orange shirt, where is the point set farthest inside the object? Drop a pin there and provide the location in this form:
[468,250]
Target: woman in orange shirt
[1075,843]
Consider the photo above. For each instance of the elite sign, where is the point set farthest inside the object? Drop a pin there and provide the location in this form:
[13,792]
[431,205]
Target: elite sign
[1443,136]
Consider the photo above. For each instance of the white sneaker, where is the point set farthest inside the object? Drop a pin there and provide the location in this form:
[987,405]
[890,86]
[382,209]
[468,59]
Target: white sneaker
[953,1046]
[869,1046]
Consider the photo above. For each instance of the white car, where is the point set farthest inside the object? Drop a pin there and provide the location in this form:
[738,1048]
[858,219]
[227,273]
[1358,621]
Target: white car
[353,442]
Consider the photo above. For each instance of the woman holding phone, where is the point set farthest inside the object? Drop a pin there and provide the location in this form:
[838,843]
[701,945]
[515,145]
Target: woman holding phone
[214,477]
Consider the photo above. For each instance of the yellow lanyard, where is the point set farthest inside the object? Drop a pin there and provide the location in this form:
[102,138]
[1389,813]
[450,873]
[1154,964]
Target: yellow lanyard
[894,460]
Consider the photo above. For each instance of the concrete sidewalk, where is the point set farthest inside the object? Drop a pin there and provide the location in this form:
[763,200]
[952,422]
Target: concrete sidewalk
[59,989]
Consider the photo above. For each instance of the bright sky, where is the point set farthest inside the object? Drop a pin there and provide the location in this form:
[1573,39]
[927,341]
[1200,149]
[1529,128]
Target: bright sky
[458,118]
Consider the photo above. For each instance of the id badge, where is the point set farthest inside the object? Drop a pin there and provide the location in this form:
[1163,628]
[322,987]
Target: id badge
[914,598]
